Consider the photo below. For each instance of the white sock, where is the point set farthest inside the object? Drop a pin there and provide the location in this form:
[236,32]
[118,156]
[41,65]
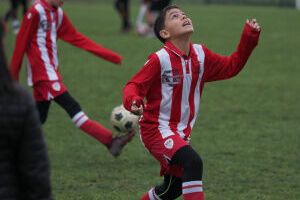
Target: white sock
[141,14]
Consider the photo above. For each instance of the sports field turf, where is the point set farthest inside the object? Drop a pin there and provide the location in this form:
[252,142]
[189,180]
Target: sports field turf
[247,131]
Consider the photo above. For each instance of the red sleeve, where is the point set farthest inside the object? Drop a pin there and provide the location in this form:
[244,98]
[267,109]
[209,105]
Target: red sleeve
[137,88]
[218,67]
[68,33]
[27,29]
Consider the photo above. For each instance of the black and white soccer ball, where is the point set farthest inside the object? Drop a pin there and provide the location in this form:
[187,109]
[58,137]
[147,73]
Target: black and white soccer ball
[123,120]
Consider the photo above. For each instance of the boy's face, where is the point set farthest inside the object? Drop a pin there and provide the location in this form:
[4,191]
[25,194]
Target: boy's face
[56,3]
[176,24]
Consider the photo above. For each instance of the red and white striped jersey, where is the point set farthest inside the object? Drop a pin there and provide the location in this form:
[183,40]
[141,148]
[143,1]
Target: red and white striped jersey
[41,27]
[172,84]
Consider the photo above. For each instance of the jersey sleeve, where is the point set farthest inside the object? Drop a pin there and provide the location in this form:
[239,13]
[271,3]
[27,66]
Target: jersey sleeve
[68,33]
[219,67]
[139,85]
[28,27]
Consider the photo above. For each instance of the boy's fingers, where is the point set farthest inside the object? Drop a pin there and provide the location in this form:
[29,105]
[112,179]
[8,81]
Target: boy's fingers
[257,27]
[137,110]
[137,102]
[134,107]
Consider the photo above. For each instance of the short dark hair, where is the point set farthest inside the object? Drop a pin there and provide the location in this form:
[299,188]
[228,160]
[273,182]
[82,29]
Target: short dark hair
[160,21]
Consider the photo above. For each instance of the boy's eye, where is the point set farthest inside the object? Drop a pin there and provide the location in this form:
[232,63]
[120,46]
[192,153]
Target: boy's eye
[174,16]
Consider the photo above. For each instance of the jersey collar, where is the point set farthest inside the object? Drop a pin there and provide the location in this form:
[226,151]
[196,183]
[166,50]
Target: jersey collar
[47,5]
[172,48]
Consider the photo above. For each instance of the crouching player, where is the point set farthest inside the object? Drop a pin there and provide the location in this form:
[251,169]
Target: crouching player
[42,25]
[172,81]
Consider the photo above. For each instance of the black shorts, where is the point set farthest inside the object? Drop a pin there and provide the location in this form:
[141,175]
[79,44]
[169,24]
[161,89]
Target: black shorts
[158,5]
[15,3]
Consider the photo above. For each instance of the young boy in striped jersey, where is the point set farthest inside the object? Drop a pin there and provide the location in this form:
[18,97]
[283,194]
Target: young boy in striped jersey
[172,81]
[42,25]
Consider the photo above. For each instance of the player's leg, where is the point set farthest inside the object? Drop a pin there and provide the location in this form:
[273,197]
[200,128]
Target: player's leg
[43,108]
[93,128]
[161,4]
[125,15]
[55,90]
[12,13]
[123,8]
[191,178]
[170,189]
[155,8]
[163,149]
[42,99]
[25,6]
[149,17]
[81,120]
[142,12]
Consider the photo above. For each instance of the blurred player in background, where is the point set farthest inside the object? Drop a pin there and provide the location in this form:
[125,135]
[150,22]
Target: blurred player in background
[42,25]
[172,81]
[12,13]
[122,7]
[149,10]
[24,163]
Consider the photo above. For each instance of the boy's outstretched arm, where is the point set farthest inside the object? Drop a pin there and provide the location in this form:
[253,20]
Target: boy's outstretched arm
[137,88]
[68,33]
[218,67]
[28,26]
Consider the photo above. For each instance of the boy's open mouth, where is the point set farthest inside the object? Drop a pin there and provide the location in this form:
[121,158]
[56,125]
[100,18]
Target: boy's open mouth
[186,23]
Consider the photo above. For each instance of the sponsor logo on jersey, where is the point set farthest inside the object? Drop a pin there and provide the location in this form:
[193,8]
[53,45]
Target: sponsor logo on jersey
[56,86]
[171,77]
[169,143]
[196,68]
[44,25]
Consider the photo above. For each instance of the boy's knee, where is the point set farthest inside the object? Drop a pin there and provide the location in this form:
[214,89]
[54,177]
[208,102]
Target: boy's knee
[194,162]
[188,159]
[67,102]
[193,169]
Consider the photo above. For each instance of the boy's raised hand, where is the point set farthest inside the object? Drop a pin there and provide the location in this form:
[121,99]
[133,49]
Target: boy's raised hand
[253,24]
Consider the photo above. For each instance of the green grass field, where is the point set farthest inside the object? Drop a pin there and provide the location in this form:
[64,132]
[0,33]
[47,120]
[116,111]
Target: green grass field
[247,131]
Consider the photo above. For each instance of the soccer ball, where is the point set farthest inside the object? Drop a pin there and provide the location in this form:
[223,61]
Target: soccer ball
[123,120]
[143,29]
